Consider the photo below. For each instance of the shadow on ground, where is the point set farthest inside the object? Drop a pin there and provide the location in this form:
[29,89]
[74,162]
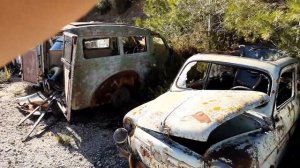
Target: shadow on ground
[90,134]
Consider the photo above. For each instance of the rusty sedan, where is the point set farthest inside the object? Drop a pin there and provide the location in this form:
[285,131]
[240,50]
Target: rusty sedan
[221,111]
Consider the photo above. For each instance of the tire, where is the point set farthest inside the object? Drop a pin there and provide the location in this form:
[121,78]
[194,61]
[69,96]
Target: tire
[123,100]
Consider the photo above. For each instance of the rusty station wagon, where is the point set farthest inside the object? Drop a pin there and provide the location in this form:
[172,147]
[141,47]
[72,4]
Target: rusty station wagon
[221,111]
[95,63]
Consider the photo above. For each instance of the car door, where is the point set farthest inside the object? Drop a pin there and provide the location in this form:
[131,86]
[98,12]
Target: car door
[286,104]
[30,65]
[69,50]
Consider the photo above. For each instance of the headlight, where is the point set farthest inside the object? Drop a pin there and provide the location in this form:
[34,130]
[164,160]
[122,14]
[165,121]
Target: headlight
[128,125]
[120,135]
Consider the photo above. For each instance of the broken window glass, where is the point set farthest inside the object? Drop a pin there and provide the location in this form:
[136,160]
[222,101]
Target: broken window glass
[193,75]
[212,76]
[100,47]
[134,44]
[285,88]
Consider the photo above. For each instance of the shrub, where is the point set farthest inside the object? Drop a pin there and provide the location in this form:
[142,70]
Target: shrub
[274,22]
[104,6]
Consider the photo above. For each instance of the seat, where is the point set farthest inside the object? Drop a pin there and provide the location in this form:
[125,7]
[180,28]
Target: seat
[247,78]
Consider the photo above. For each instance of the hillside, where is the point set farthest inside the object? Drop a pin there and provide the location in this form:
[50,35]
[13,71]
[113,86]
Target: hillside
[120,11]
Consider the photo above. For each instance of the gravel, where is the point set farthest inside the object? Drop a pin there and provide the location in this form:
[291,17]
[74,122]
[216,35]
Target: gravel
[87,142]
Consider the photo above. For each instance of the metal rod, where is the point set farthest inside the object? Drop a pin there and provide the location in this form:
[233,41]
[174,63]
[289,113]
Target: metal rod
[35,124]
[28,116]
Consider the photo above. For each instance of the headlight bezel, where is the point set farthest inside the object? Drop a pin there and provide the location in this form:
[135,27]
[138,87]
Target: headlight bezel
[128,125]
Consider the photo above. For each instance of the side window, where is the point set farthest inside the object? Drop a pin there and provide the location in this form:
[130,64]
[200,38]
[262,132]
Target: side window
[100,47]
[195,75]
[134,44]
[286,87]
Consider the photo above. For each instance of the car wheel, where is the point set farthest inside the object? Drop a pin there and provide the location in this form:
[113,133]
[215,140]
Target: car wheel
[122,99]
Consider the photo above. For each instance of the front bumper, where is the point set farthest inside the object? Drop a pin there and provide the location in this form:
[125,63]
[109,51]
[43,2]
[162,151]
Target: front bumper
[150,149]
[133,161]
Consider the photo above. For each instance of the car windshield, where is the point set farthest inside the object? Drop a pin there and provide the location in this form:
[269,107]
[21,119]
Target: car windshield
[217,76]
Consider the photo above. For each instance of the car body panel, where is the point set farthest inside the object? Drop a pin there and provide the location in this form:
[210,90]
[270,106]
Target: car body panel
[30,66]
[69,53]
[195,114]
[87,79]
[156,153]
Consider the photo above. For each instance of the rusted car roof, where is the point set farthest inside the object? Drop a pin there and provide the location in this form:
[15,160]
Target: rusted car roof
[111,27]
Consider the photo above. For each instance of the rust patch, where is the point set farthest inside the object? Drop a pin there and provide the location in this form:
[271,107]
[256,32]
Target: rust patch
[289,109]
[280,128]
[125,78]
[220,119]
[144,152]
[138,110]
[40,103]
[30,66]
[292,107]
[235,156]
[202,117]
[231,108]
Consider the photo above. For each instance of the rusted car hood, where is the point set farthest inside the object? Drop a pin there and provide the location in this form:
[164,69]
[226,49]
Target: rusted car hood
[194,114]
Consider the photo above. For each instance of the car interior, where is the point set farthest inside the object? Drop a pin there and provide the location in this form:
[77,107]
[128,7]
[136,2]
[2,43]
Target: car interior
[225,77]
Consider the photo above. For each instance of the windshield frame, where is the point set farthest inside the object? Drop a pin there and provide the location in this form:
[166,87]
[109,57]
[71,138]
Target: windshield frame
[234,65]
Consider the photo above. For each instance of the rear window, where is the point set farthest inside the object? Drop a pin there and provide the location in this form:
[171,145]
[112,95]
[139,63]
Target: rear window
[100,47]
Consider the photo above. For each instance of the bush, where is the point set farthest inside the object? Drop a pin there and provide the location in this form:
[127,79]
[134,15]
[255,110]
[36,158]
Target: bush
[274,22]
[104,6]
[191,26]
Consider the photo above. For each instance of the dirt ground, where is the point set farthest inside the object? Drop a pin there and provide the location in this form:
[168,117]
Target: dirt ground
[86,143]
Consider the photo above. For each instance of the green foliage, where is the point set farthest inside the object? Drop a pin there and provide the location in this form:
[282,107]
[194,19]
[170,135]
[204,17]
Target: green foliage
[159,79]
[138,22]
[273,22]
[185,23]
[104,6]
[207,26]
[159,89]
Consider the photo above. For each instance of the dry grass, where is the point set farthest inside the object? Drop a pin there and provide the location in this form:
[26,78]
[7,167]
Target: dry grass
[3,77]
[63,139]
